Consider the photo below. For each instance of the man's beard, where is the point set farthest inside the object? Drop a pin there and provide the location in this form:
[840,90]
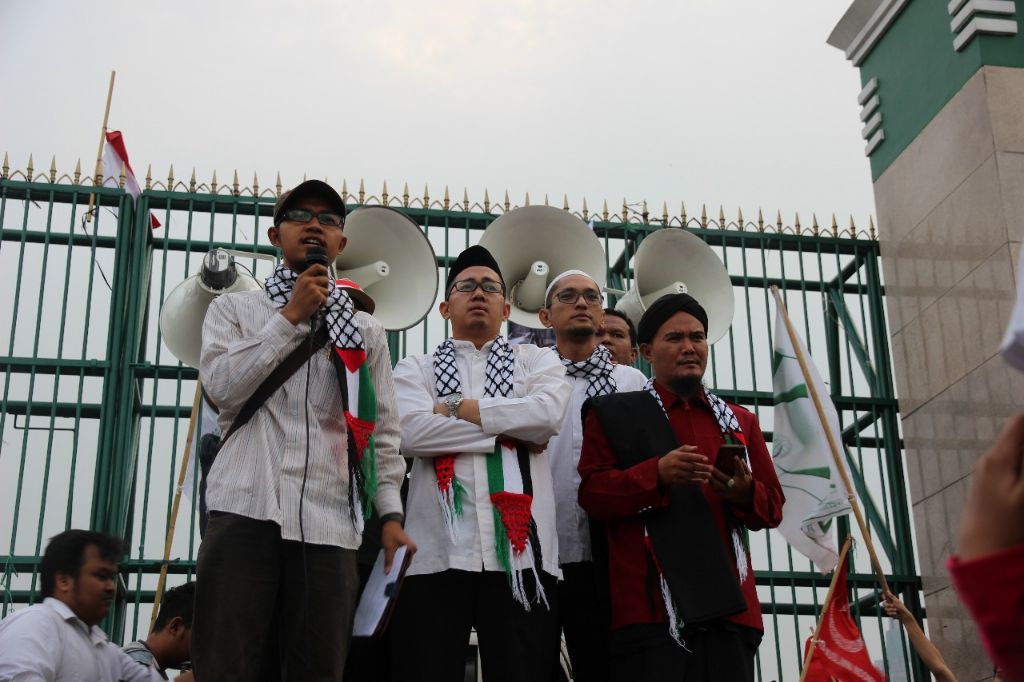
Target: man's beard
[478,322]
[685,387]
[581,333]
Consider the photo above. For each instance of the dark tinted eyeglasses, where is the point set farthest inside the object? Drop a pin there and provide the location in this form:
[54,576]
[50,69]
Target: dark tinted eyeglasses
[571,296]
[327,218]
[489,286]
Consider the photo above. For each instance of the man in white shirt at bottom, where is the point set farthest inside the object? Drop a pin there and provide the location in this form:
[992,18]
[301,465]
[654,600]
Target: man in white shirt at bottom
[475,417]
[572,308]
[58,640]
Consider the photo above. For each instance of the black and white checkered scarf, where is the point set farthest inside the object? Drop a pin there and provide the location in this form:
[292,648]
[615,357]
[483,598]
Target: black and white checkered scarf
[358,398]
[727,422]
[597,370]
[497,374]
[509,480]
[340,312]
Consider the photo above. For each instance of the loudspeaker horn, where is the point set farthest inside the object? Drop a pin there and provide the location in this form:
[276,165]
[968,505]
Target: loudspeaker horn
[392,260]
[532,245]
[183,311]
[674,261]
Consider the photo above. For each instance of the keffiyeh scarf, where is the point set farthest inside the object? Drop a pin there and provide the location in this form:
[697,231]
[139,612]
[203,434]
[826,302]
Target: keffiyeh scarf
[731,433]
[509,482]
[358,398]
[597,370]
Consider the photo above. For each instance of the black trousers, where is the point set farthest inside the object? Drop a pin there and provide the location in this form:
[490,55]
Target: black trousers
[718,652]
[368,656]
[429,635]
[585,617]
[269,609]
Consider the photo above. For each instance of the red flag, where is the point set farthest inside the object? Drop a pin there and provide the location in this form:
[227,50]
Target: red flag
[839,651]
[115,155]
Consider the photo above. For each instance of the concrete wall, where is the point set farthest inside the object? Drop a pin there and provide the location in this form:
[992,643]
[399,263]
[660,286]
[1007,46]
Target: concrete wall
[951,218]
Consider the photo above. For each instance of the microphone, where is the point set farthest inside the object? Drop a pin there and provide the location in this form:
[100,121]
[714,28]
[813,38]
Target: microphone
[315,255]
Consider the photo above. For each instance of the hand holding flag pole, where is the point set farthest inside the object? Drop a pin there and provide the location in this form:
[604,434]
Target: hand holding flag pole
[831,437]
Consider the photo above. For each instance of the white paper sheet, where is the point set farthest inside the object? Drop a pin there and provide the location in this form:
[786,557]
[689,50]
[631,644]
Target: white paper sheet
[377,594]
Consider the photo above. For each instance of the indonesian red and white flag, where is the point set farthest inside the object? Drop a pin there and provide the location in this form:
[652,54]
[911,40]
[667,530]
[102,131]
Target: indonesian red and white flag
[839,651]
[115,157]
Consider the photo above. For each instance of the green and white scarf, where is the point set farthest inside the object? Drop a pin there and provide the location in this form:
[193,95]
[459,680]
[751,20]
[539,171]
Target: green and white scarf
[359,400]
[509,482]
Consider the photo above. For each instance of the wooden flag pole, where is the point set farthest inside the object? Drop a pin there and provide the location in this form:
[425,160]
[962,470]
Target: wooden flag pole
[185,460]
[98,177]
[832,443]
[828,600]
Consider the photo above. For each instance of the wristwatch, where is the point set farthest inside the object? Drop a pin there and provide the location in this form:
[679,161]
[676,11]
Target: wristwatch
[453,401]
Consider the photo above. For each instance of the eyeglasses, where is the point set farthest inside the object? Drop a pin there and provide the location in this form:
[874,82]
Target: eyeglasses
[570,296]
[466,286]
[327,218]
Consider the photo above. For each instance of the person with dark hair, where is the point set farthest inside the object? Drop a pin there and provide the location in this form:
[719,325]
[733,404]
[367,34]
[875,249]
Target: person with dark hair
[573,310]
[170,643]
[618,335]
[58,640]
[289,491]
[476,416]
[684,598]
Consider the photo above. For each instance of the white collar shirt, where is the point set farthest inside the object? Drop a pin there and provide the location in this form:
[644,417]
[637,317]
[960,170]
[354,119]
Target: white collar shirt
[47,641]
[564,455]
[259,471]
[533,414]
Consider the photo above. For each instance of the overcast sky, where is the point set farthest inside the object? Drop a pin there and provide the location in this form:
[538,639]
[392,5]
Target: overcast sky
[734,103]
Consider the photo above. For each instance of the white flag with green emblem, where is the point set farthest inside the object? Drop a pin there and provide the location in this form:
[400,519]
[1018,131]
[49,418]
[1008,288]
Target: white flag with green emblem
[815,493]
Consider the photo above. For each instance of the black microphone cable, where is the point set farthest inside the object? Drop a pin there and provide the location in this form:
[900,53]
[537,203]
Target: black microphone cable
[314,255]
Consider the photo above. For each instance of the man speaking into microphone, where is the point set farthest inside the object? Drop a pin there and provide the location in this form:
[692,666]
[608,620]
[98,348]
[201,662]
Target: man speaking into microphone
[296,476]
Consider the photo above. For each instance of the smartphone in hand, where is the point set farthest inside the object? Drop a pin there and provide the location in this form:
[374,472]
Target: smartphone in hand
[726,459]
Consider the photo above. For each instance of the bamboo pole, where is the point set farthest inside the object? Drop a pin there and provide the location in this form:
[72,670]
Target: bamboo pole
[98,178]
[185,460]
[828,600]
[832,443]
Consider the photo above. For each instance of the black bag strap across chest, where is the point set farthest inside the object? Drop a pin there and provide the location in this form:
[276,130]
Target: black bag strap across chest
[291,364]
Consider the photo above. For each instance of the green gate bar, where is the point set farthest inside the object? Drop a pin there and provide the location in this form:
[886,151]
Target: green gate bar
[94,408]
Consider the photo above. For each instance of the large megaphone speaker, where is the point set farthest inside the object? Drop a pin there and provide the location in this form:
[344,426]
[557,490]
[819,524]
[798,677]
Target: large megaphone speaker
[532,245]
[674,261]
[183,311]
[391,259]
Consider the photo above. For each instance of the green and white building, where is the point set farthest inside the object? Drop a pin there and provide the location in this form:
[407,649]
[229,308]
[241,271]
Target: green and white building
[943,111]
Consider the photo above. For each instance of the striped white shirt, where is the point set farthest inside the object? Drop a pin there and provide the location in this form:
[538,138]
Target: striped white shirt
[533,414]
[258,473]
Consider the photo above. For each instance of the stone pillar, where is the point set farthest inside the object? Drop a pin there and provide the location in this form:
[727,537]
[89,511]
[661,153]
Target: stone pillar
[943,112]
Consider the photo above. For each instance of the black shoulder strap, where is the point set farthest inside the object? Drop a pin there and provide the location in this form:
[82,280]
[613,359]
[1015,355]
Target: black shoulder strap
[297,358]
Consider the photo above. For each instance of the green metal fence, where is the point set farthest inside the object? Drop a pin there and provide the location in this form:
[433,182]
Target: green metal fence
[94,409]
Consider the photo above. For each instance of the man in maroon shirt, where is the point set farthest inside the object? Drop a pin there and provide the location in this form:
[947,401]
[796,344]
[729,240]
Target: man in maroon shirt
[684,600]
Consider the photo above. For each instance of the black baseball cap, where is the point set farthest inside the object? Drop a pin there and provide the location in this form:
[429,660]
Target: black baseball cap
[309,188]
